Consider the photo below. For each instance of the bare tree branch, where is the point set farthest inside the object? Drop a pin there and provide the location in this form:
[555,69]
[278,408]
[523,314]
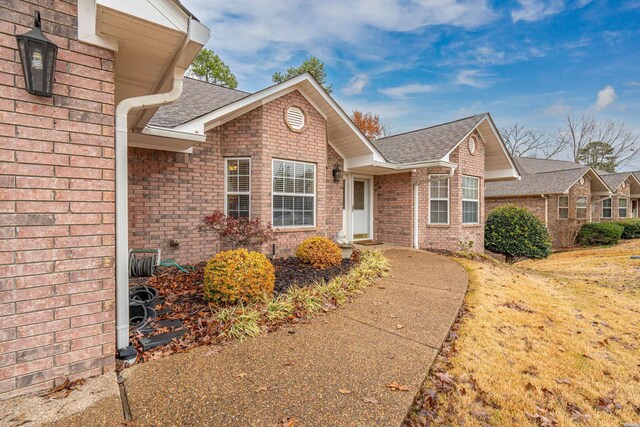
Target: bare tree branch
[388,128]
[522,141]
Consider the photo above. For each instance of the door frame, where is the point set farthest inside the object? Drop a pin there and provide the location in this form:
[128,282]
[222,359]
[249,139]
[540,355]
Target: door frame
[351,178]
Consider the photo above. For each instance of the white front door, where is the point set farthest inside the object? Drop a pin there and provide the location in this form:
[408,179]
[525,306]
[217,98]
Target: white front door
[361,208]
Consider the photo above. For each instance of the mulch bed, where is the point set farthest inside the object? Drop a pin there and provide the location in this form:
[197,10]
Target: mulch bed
[292,272]
[184,300]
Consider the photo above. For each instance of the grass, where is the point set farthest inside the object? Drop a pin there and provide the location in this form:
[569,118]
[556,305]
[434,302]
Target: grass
[550,342]
[241,321]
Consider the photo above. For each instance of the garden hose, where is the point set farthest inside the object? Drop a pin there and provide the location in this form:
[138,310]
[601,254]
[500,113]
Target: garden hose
[171,263]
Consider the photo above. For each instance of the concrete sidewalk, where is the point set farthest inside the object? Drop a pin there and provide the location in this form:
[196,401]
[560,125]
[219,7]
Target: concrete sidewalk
[391,333]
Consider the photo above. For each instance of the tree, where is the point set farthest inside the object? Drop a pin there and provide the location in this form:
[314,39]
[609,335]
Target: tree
[208,66]
[388,127]
[578,132]
[368,123]
[598,155]
[313,66]
[522,141]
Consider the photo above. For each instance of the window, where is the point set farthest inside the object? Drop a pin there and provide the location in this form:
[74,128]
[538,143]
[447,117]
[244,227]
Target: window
[470,200]
[439,200]
[563,207]
[622,207]
[237,187]
[582,204]
[606,208]
[294,194]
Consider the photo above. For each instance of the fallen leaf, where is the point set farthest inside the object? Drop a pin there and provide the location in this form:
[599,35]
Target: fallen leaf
[481,415]
[391,356]
[241,375]
[399,326]
[370,400]
[345,391]
[563,381]
[287,422]
[213,351]
[261,389]
[393,316]
[396,387]
[376,303]
[530,387]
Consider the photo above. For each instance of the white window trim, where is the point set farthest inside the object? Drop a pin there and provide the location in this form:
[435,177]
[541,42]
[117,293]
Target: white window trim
[315,191]
[448,199]
[226,184]
[603,208]
[470,200]
[626,208]
[586,208]
[567,208]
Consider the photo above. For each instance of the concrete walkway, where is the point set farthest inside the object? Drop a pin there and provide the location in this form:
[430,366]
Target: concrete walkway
[390,333]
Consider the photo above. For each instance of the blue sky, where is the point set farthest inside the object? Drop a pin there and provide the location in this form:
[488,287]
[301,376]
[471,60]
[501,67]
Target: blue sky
[422,62]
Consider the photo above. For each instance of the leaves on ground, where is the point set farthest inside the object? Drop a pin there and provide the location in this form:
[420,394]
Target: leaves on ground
[63,390]
[394,386]
[370,400]
[345,391]
[287,422]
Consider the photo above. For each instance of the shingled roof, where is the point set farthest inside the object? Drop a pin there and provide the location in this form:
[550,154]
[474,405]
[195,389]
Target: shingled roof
[432,143]
[614,180]
[197,98]
[553,182]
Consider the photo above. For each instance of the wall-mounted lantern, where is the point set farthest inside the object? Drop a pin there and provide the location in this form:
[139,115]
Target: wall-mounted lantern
[337,173]
[38,56]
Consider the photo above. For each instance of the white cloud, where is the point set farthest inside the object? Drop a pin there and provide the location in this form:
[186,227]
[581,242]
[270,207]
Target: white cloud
[557,109]
[633,83]
[402,92]
[606,97]
[356,84]
[535,10]
[473,78]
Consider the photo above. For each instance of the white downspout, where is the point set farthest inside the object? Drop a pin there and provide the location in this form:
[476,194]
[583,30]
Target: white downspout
[416,212]
[546,210]
[122,203]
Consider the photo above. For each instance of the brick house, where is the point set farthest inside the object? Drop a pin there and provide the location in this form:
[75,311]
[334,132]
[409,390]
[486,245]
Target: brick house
[59,178]
[565,195]
[120,159]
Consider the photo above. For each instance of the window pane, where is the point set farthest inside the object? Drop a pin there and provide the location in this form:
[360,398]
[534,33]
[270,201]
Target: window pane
[470,187]
[563,201]
[581,202]
[622,203]
[293,178]
[439,212]
[243,183]
[563,213]
[606,203]
[278,185]
[469,212]
[581,213]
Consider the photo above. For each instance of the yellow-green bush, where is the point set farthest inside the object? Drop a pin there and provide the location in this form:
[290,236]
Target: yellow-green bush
[320,252]
[238,276]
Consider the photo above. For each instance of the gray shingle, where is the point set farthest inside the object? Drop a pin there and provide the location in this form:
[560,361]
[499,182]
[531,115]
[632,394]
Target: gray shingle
[613,180]
[432,143]
[549,182]
[198,98]
[531,165]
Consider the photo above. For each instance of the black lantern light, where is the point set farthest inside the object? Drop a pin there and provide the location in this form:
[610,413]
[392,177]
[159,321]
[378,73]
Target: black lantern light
[337,173]
[38,56]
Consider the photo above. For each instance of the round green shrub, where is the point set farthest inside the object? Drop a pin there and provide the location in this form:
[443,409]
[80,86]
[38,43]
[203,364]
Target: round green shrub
[600,234]
[238,276]
[631,228]
[516,233]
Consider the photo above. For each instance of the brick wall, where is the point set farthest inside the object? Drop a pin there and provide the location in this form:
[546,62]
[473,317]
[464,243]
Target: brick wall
[57,303]
[535,205]
[170,193]
[596,202]
[393,208]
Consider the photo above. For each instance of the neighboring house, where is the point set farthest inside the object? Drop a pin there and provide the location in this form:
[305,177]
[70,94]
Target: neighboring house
[101,167]
[565,195]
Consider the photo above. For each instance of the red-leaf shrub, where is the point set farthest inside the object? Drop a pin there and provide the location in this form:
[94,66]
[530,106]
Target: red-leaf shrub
[239,232]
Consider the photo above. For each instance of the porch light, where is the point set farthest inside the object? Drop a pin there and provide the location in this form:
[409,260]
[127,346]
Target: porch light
[38,57]
[337,173]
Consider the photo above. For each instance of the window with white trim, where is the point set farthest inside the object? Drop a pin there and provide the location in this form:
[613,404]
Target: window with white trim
[294,194]
[606,208]
[470,200]
[438,200]
[563,207]
[582,206]
[238,187]
[623,204]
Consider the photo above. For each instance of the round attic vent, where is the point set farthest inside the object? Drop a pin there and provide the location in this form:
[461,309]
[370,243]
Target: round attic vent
[472,144]
[582,180]
[624,184]
[295,119]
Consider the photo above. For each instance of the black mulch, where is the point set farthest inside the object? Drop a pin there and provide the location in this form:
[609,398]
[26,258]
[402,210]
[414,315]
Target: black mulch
[292,272]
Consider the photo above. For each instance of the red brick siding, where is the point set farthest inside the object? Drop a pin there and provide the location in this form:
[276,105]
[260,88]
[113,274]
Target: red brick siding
[621,192]
[57,208]
[170,193]
[535,205]
[393,207]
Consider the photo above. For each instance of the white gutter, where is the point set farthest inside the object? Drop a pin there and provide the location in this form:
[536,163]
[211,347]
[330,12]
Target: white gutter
[173,134]
[122,204]
[546,210]
[411,166]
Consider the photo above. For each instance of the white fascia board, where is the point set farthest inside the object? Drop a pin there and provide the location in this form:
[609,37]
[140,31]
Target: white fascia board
[87,22]
[502,174]
[173,134]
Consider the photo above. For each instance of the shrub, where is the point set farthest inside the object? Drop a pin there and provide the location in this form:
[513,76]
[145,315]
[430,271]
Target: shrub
[600,233]
[631,228]
[238,276]
[516,232]
[239,232]
[320,252]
